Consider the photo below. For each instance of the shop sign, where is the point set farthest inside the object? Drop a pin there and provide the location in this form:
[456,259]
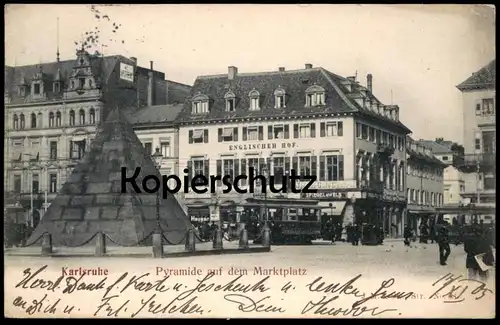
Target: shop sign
[262,146]
[328,185]
[326,195]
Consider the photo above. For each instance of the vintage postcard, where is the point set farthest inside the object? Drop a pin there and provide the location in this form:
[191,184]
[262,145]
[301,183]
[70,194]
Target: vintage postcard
[249,161]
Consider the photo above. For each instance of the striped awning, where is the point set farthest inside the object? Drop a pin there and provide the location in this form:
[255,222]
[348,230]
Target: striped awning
[227,132]
[197,134]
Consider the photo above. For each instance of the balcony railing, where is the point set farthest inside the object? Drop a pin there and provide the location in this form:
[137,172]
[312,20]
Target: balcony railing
[471,163]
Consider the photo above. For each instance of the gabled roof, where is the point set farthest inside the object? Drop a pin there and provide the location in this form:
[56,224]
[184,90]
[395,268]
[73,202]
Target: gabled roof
[102,68]
[294,82]
[92,201]
[485,78]
[162,114]
[437,147]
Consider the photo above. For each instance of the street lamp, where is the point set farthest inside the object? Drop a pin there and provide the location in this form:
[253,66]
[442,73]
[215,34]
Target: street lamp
[265,173]
[331,210]
[157,158]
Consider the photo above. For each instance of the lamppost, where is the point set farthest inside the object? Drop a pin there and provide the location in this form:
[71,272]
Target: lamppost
[265,173]
[157,159]
[331,210]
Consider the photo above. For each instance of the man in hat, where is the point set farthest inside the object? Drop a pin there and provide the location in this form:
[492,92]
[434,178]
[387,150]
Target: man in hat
[443,244]
[476,245]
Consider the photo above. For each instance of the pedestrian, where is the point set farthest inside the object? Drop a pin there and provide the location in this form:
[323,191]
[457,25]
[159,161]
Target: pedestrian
[477,246]
[355,235]
[332,232]
[407,233]
[338,232]
[443,244]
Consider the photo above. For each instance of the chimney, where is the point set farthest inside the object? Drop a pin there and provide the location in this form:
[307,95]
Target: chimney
[281,69]
[309,66]
[151,84]
[369,82]
[232,72]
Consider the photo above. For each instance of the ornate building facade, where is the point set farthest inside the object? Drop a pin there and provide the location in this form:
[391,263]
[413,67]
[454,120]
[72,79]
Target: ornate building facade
[309,120]
[51,115]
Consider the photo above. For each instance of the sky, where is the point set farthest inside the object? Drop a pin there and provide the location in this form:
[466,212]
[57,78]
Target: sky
[417,54]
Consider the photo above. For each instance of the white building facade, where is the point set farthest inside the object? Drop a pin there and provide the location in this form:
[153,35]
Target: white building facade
[308,120]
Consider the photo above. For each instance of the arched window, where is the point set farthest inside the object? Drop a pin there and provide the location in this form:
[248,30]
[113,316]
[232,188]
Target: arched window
[15,122]
[58,118]
[230,98]
[33,120]
[92,116]
[200,104]
[315,96]
[51,119]
[82,116]
[254,100]
[279,98]
[72,117]
[40,120]
[22,122]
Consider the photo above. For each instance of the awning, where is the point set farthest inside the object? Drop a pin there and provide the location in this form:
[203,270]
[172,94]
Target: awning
[337,207]
[227,132]
[197,134]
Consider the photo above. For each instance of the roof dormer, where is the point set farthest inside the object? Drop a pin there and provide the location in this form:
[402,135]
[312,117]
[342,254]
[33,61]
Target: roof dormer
[279,98]
[200,104]
[82,77]
[230,99]
[315,96]
[23,86]
[38,90]
[58,84]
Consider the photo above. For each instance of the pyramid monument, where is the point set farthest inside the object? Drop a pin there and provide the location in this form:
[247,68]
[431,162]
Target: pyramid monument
[91,200]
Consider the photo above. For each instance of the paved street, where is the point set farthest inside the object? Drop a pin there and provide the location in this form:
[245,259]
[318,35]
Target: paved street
[414,269]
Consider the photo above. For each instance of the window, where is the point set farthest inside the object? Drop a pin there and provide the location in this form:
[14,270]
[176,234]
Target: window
[304,131]
[331,168]
[82,117]
[33,120]
[15,122]
[478,109]
[489,183]
[35,184]
[278,132]
[488,107]
[391,141]
[148,147]
[315,96]
[253,133]
[279,98]
[401,177]
[331,129]
[72,117]
[253,163]
[77,149]
[488,140]
[230,101]
[53,183]
[81,82]
[278,169]
[200,104]
[358,130]
[165,149]
[92,116]
[53,150]
[36,89]
[477,144]
[57,87]
[51,119]
[254,100]
[228,134]
[199,169]
[445,158]
[364,132]
[17,184]
[305,166]
[198,136]
[371,134]
[58,119]
[228,168]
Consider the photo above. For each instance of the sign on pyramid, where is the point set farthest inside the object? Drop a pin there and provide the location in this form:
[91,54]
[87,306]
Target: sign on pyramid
[91,200]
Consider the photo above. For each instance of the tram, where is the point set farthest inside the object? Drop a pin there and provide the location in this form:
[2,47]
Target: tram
[291,220]
[16,230]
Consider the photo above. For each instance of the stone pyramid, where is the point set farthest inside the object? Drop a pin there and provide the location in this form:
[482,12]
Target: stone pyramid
[91,199]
